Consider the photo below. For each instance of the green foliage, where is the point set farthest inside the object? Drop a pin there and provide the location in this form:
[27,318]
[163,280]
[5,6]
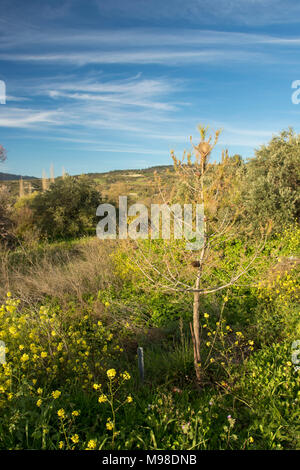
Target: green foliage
[48,353]
[250,399]
[64,385]
[67,209]
[6,224]
[25,227]
[271,183]
[269,386]
[270,305]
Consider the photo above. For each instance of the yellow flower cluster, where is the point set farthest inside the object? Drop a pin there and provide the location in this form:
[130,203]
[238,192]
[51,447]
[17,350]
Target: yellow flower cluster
[125,375]
[109,425]
[111,373]
[61,413]
[102,398]
[221,342]
[91,444]
[47,345]
[284,287]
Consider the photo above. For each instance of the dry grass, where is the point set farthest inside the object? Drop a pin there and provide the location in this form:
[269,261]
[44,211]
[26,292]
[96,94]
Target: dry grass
[283,267]
[69,274]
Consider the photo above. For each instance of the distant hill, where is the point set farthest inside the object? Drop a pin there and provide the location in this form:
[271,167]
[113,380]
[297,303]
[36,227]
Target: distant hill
[138,184]
[132,172]
[106,174]
[10,177]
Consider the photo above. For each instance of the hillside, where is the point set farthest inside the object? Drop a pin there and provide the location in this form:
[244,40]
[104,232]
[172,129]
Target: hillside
[136,184]
[12,177]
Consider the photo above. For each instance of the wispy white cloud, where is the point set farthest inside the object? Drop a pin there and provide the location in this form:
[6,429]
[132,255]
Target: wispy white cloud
[112,99]
[144,57]
[122,149]
[135,85]
[88,102]
[134,92]
[247,132]
[22,118]
[16,98]
[99,14]
[133,104]
[136,37]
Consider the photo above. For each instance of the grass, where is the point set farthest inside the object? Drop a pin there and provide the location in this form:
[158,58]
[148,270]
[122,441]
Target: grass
[69,319]
[57,271]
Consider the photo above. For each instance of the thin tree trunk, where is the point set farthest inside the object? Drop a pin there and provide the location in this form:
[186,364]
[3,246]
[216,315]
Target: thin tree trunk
[196,303]
[196,332]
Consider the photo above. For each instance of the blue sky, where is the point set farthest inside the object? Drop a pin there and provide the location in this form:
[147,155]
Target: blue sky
[95,85]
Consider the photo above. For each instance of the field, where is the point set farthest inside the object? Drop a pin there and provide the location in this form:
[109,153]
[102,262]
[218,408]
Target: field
[75,309]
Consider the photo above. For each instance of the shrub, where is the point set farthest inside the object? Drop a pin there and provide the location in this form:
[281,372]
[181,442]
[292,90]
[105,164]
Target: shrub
[67,209]
[6,224]
[271,184]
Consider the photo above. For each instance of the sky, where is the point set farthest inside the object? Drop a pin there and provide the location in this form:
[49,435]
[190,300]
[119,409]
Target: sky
[94,86]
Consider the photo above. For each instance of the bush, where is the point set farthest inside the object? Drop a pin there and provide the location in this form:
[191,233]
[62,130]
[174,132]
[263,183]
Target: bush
[24,224]
[67,209]
[6,224]
[271,185]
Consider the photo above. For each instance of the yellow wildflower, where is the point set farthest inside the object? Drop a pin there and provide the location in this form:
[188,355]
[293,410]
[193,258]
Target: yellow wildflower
[61,413]
[102,399]
[91,444]
[109,425]
[24,358]
[126,375]
[111,373]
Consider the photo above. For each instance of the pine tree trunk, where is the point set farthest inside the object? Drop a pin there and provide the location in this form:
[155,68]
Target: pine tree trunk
[195,330]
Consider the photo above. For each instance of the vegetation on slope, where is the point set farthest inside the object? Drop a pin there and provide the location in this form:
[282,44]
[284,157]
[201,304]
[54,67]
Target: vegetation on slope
[74,311]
